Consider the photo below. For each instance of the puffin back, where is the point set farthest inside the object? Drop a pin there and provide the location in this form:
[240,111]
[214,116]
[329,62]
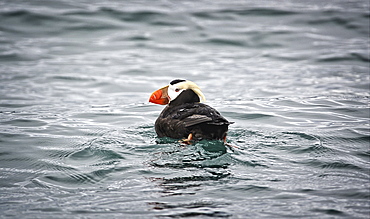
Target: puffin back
[203,121]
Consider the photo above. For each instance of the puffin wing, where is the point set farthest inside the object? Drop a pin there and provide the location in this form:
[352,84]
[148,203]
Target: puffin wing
[196,119]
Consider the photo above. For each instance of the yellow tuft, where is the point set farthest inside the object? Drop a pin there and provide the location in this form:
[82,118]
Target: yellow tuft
[191,85]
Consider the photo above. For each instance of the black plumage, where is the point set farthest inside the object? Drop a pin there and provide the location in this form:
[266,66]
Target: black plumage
[185,115]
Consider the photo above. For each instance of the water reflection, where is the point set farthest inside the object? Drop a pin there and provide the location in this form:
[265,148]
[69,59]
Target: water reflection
[192,165]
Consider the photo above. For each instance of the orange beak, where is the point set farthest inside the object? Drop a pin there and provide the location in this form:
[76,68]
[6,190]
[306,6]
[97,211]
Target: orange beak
[160,96]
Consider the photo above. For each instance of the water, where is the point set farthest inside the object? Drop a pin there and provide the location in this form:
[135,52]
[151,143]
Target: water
[77,136]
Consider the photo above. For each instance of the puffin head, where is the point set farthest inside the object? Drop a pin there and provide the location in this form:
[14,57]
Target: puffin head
[178,89]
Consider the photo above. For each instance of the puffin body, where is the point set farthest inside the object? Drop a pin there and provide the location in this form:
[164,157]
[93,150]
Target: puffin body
[185,116]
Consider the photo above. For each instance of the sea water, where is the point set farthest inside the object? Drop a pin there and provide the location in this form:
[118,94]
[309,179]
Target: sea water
[77,136]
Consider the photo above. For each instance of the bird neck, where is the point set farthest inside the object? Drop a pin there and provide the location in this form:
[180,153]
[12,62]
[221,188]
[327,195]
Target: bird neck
[187,96]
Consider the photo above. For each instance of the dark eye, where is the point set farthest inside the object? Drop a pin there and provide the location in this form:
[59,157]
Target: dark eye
[177,90]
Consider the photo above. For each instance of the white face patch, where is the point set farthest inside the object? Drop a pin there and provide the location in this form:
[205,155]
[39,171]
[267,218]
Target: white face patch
[174,91]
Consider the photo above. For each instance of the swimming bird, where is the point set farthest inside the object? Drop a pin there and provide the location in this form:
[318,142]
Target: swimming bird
[186,116]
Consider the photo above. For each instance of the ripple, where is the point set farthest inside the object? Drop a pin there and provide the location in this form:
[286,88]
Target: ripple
[72,78]
[25,18]
[192,209]
[149,15]
[71,179]
[333,212]
[217,14]
[226,42]
[94,153]
[332,165]
[25,122]
[86,162]
[342,58]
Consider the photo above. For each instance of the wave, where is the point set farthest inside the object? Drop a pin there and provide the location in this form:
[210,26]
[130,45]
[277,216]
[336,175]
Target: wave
[230,14]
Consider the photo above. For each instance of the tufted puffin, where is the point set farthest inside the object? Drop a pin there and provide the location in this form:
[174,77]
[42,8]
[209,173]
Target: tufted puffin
[186,116]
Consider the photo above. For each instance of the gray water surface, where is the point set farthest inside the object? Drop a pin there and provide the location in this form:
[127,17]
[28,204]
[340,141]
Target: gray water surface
[77,135]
